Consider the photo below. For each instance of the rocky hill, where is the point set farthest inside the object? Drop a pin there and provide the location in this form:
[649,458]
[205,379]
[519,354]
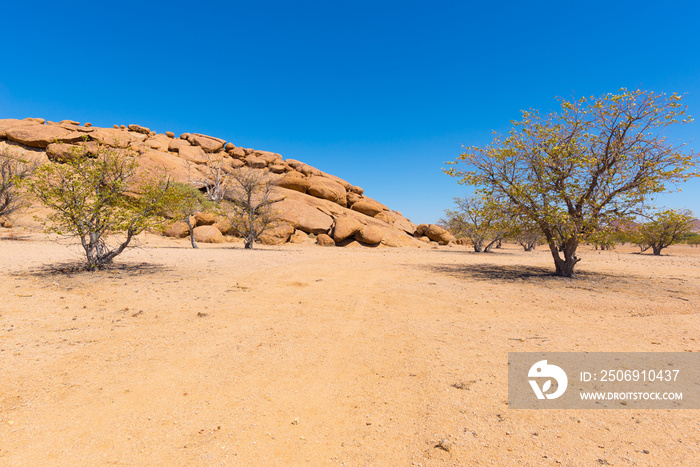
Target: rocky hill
[314,202]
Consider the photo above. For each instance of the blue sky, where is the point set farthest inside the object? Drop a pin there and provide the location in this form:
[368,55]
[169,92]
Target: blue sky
[380,93]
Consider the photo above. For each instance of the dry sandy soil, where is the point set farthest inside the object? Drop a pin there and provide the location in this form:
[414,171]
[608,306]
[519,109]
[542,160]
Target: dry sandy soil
[303,355]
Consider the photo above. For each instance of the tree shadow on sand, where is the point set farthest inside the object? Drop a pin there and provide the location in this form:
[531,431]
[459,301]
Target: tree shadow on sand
[516,273]
[71,268]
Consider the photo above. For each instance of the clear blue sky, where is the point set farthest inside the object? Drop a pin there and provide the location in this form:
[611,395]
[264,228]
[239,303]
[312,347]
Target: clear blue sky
[381,93]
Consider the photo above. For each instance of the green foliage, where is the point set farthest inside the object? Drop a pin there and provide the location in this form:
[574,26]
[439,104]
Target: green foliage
[477,219]
[95,198]
[524,232]
[581,168]
[664,229]
[186,201]
[692,239]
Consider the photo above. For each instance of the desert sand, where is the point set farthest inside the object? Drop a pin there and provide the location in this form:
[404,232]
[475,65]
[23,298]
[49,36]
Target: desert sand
[304,355]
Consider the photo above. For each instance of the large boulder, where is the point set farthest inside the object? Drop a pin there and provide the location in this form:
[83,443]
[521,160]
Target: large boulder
[368,206]
[278,168]
[294,181]
[277,235]
[324,240]
[61,152]
[174,145]
[303,217]
[231,164]
[204,218]
[207,143]
[396,220]
[139,129]
[346,227]
[158,142]
[177,230]
[305,169]
[435,233]
[325,188]
[35,135]
[115,138]
[255,162]
[268,157]
[396,238]
[298,237]
[370,234]
[208,234]
[193,154]
[7,123]
[159,163]
[238,153]
[40,121]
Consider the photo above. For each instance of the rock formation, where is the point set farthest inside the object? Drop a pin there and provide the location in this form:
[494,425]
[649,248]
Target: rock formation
[314,202]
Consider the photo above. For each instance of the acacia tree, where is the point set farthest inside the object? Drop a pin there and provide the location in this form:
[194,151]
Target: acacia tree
[478,220]
[250,193]
[664,229]
[525,232]
[693,239]
[96,198]
[13,169]
[573,171]
[188,200]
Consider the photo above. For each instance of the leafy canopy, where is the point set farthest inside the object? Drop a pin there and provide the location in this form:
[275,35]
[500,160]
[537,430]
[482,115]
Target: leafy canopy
[574,170]
[94,198]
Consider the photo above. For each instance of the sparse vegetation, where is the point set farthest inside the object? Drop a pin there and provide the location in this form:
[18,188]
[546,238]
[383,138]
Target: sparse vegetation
[13,169]
[214,182]
[692,239]
[251,213]
[477,219]
[584,167]
[188,200]
[97,198]
[525,233]
[664,229]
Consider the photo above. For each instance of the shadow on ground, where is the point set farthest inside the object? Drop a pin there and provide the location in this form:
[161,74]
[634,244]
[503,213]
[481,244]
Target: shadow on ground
[492,272]
[72,268]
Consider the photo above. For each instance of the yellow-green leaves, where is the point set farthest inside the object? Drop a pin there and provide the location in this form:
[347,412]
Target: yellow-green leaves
[595,160]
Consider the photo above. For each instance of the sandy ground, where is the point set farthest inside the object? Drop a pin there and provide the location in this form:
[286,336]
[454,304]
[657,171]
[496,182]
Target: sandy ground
[303,355]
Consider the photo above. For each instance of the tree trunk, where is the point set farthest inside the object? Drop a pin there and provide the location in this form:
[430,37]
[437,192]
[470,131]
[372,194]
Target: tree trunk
[657,249]
[249,241]
[565,266]
[490,245]
[189,224]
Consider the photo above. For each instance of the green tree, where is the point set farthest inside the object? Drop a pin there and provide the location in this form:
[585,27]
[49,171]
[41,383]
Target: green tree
[664,229]
[188,200]
[524,232]
[98,199]
[573,171]
[477,219]
[693,239]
